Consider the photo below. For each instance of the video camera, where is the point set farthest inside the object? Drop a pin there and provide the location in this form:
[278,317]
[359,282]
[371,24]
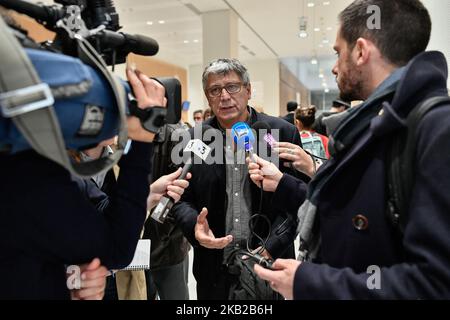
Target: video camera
[87,40]
[95,20]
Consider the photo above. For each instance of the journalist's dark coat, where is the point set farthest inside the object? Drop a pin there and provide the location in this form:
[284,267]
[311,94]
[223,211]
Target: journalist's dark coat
[418,266]
[48,224]
[207,189]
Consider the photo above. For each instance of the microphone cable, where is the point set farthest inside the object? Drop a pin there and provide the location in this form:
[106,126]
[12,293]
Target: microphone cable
[254,219]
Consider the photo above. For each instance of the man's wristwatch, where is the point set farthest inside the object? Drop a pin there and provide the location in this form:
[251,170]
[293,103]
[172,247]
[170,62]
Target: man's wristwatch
[151,118]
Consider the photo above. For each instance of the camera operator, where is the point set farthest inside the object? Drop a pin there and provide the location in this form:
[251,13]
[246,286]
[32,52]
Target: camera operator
[48,224]
[97,190]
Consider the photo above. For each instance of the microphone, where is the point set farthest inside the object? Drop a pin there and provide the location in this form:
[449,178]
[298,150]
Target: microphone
[199,149]
[243,137]
[124,42]
[49,16]
[264,126]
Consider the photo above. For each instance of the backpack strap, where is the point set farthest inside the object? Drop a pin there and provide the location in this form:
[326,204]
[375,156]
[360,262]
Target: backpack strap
[401,162]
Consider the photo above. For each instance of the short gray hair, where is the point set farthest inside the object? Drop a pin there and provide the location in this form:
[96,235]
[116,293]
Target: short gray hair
[224,67]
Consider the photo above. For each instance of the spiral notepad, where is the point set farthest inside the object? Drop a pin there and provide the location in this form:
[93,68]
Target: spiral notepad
[141,259]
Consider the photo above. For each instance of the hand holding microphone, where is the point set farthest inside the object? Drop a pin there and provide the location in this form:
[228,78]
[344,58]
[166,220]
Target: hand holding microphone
[294,154]
[171,185]
[260,170]
[298,158]
[265,172]
[199,149]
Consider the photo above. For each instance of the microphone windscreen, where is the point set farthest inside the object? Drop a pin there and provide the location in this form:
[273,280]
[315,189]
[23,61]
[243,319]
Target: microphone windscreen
[142,45]
[261,125]
[261,128]
[243,135]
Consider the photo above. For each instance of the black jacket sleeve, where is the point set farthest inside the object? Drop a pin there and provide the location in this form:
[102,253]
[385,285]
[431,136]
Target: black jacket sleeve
[54,221]
[290,194]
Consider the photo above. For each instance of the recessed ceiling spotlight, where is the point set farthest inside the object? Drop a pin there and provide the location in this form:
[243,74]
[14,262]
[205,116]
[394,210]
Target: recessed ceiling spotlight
[149,23]
[161,21]
[326,3]
[310,4]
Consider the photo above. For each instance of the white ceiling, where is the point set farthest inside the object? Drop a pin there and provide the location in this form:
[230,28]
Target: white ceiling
[268,29]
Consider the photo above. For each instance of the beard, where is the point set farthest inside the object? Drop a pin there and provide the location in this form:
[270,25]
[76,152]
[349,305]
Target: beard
[350,83]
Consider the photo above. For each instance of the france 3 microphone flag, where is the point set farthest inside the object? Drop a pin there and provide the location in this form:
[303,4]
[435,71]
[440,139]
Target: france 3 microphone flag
[243,135]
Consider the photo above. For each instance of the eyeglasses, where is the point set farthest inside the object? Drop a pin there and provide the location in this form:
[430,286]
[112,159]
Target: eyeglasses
[231,88]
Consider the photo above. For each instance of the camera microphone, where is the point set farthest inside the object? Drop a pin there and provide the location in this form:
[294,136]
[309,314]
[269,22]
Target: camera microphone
[134,43]
[46,14]
[50,15]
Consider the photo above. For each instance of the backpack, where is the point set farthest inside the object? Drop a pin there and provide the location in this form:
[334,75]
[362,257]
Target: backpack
[165,237]
[401,161]
[245,284]
[162,149]
[312,143]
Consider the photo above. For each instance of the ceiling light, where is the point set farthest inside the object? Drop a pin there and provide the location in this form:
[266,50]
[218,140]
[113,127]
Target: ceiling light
[329,28]
[310,4]
[186,41]
[317,29]
[325,41]
[314,61]
[303,34]
[149,23]
[326,3]
[327,90]
[195,41]
[321,76]
[161,21]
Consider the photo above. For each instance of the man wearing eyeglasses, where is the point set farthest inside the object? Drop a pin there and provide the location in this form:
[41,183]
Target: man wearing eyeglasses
[198,116]
[224,193]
